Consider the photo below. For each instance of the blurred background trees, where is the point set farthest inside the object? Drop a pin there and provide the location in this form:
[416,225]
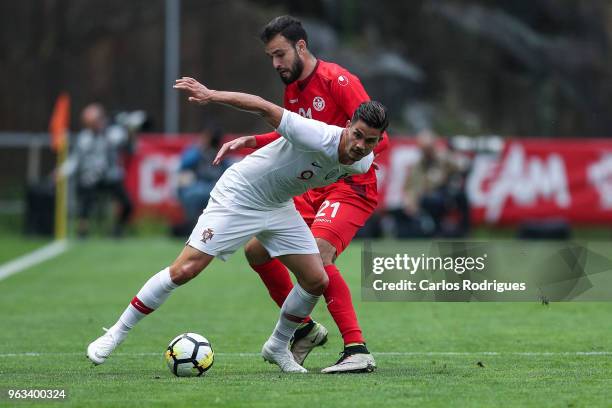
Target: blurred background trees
[510,67]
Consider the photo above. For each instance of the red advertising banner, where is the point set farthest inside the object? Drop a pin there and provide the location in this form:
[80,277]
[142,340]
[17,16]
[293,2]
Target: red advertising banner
[528,179]
[152,175]
[544,179]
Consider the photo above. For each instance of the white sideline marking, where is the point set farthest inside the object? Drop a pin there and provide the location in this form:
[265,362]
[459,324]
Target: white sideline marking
[382,354]
[33,258]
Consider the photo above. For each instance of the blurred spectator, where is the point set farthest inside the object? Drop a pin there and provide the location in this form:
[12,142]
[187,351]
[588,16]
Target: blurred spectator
[434,192]
[197,175]
[95,162]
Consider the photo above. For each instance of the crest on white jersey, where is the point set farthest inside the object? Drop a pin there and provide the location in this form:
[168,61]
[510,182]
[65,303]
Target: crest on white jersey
[318,103]
[343,80]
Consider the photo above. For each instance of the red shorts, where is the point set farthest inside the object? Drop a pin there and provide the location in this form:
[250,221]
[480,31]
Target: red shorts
[335,213]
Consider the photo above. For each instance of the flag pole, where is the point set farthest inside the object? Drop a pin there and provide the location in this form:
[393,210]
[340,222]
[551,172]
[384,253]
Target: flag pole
[61,213]
[58,127]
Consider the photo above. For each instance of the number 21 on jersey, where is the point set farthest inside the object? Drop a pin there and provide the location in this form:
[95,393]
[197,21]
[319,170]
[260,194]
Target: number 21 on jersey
[335,206]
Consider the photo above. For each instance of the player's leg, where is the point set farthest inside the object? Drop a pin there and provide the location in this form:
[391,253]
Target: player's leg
[151,296]
[218,233]
[311,282]
[287,237]
[274,274]
[342,213]
[355,357]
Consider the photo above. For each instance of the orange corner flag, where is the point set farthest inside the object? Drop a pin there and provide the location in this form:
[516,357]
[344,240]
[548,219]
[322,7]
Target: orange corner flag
[60,122]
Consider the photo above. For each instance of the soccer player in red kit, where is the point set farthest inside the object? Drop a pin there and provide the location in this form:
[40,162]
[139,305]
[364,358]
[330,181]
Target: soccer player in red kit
[329,93]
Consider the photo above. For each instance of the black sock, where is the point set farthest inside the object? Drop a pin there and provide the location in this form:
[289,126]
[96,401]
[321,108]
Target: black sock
[356,349]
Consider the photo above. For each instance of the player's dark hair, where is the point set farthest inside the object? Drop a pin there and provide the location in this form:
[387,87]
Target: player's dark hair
[287,26]
[373,114]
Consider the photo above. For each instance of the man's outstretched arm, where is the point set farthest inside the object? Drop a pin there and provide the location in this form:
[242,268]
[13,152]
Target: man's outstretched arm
[201,95]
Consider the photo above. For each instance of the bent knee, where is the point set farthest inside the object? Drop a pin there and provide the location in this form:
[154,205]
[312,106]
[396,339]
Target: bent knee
[327,251]
[319,285]
[255,253]
[183,272]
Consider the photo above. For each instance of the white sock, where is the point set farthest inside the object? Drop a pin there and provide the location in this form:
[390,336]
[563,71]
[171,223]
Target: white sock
[151,296]
[297,306]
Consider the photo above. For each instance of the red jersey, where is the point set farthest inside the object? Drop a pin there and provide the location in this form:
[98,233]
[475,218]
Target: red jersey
[329,94]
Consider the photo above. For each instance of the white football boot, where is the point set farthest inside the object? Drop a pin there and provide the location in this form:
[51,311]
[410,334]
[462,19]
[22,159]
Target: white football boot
[306,339]
[281,357]
[351,362]
[101,348]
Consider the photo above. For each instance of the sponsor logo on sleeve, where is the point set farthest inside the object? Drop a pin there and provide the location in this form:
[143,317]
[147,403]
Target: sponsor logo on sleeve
[343,80]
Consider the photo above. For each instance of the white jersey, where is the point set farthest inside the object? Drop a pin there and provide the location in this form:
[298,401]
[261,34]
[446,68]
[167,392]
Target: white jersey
[305,157]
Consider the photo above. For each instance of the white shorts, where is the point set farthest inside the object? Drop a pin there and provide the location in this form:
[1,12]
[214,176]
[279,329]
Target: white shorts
[223,228]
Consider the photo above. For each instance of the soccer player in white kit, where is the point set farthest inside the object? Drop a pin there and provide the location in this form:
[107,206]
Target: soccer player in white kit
[254,198]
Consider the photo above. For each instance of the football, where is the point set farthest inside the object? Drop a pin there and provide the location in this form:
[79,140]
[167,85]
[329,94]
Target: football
[189,355]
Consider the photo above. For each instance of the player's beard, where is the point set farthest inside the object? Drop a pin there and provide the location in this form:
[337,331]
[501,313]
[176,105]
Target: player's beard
[294,72]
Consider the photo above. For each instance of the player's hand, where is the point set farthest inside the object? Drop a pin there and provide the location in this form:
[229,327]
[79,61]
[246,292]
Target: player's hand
[233,146]
[197,92]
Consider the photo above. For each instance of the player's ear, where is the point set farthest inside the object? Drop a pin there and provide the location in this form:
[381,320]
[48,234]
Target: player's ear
[348,123]
[301,46]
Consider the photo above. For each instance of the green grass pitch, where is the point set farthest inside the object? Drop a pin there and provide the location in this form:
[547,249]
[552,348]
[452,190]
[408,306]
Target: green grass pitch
[429,354]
